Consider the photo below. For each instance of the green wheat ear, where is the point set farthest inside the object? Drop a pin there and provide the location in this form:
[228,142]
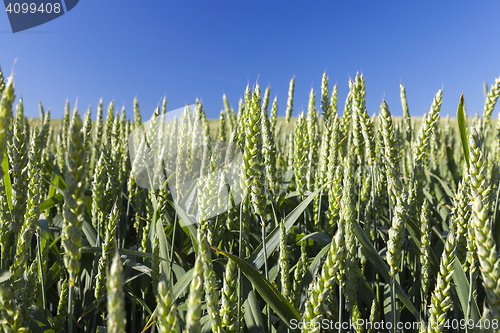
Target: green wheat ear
[109,123]
[289,103]
[357,90]
[211,293]
[87,130]
[116,297]
[62,308]
[193,314]
[396,236]
[229,311]
[32,210]
[425,250]
[98,133]
[334,100]
[228,113]
[74,198]
[274,116]
[2,82]
[137,113]
[252,155]
[429,124]
[325,104]
[346,116]
[164,105]
[312,141]
[390,154]
[222,126]
[167,311]
[321,289]
[283,264]
[45,132]
[18,159]
[300,153]
[486,246]
[426,134]
[299,273]
[6,102]
[11,319]
[461,216]
[108,246]
[265,101]
[406,113]
[367,126]
[441,298]
[269,153]
[65,123]
[491,100]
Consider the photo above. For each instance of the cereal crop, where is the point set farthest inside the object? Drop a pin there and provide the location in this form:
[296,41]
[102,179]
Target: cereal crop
[251,222]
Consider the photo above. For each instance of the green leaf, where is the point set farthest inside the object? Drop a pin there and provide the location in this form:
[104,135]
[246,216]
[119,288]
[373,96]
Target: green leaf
[273,273]
[139,300]
[43,239]
[138,267]
[132,253]
[445,186]
[53,275]
[496,218]
[322,238]
[162,243]
[462,288]
[382,267]
[46,237]
[56,182]
[133,277]
[34,327]
[38,315]
[188,225]
[452,165]
[152,319]
[253,315]
[51,202]
[462,126]
[123,252]
[415,235]
[178,270]
[90,232]
[6,179]
[365,291]
[273,239]
[388,315]
[269,293]
[182,284]
[310,273]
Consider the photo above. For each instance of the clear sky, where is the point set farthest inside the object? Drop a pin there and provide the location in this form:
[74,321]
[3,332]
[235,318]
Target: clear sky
[188,49]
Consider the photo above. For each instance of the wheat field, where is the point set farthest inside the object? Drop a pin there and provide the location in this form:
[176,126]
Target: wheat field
[331,221]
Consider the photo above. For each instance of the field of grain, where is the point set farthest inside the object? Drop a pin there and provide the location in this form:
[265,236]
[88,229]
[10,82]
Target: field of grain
[251,223]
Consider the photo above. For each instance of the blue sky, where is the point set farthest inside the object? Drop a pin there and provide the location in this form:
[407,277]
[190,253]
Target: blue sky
[188,49]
